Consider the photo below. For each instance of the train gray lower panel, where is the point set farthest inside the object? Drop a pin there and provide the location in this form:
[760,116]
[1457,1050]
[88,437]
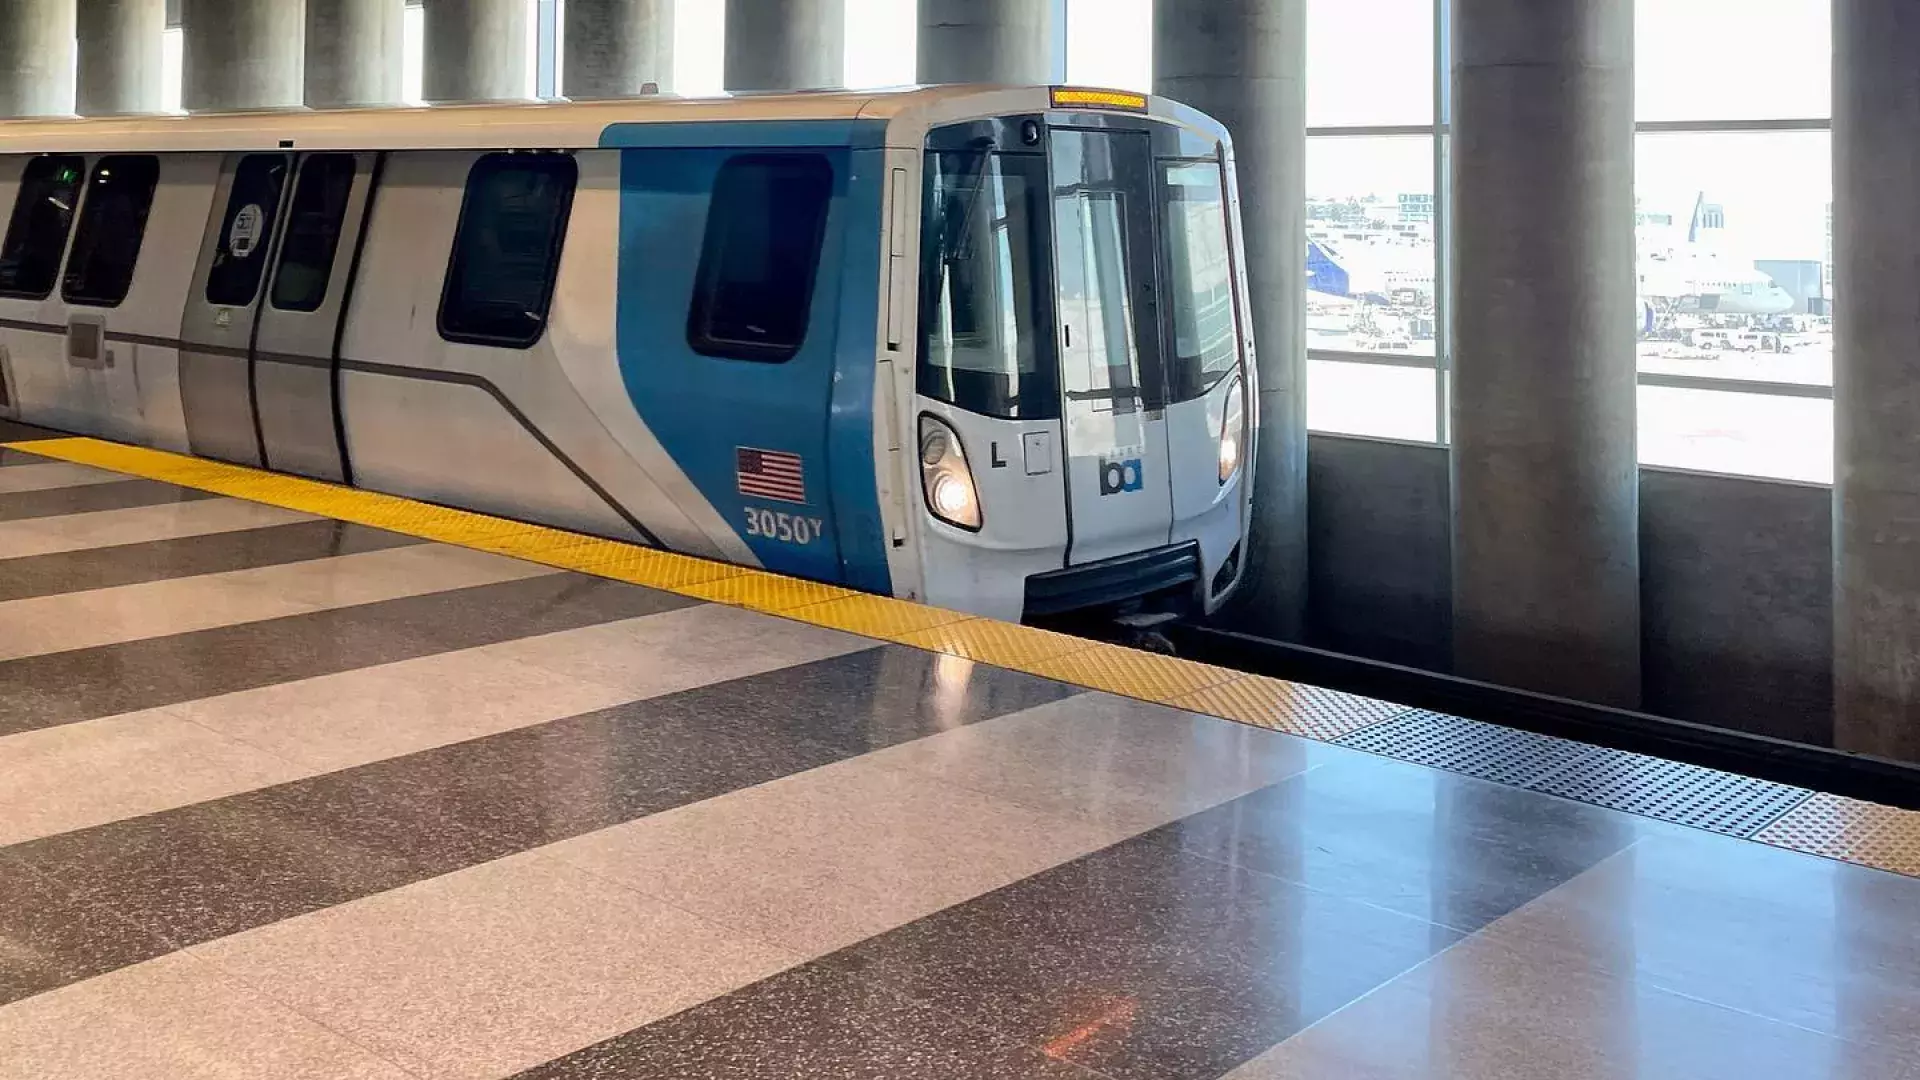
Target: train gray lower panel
[297,426]
[218,401]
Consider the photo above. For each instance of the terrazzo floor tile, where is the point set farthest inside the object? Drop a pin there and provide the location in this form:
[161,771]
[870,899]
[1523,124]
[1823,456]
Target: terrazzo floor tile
[814,1021]
[1146,961]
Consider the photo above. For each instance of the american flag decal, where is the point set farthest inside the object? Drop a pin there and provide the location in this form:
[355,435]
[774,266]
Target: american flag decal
[770,474]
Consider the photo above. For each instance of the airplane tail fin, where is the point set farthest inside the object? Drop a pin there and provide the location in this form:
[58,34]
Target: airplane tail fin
[1324,272]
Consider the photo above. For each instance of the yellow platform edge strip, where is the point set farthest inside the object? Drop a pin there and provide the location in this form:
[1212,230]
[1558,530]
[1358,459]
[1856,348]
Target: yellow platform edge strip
[1829,826]
[1018,648]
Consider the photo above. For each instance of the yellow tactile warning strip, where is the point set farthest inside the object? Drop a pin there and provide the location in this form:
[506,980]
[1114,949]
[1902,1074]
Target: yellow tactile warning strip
[1307,711]
[1852,831]
[765,592]
[1000,644]
[1826,825]
[1141,674]
[1020,648]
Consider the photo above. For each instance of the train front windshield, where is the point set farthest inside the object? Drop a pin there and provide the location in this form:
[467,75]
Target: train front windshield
[1078,267]
[986,321]
[1019,244]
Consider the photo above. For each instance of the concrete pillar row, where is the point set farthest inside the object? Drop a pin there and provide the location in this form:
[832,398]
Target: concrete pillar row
[1244,62]
[120,56]
[355,52]
[36,58]
[1546,524]
[614,48]
[1876,493]
[989,41]
[242,54]
[785,44]
[475,50]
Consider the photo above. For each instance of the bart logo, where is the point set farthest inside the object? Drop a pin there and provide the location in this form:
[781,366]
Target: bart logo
[1121,475]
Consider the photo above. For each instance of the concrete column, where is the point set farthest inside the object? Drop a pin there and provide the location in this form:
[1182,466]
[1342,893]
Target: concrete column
[1546,530]
[1244,63]
[476,50]
[786,44]
[36,58]
[1876,230]
[613,48]
[989,41]
[242,54]
[354,52]
[119,56]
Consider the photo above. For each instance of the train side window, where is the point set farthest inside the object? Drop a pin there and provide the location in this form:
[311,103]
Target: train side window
[506,250]
[313,232]
[113,222]
[37,233]
[765,227]
[246,230]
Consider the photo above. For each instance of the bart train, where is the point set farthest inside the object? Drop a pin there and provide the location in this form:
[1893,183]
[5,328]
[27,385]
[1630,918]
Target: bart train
[983,347]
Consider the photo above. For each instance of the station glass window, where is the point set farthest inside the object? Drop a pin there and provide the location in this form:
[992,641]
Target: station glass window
[246,230]
[1370,63]
[1373,289]
[313,232]
[506,251]
[1732,60]
[113,223]
[37,233]
[764,232]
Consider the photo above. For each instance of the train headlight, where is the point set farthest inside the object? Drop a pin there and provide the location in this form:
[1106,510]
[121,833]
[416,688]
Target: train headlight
[1233,434]
[945,477]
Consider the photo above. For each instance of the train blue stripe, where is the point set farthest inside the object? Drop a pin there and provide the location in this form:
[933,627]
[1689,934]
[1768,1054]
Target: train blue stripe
[816,405]
[863,533]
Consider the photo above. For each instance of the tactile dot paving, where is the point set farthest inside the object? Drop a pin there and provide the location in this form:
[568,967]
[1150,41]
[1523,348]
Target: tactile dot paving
[875,616]
[1869,834]
[765,592]
[1667,791]
[1671,791]
[1001,644]
[1487,751]
[1307,711]
[641,566]
[1132,673]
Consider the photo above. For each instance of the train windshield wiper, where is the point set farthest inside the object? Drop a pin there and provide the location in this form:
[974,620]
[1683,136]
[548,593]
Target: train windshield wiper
[977,151]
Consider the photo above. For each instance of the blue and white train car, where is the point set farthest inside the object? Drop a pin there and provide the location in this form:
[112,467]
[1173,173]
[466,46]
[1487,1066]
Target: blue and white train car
[982,347]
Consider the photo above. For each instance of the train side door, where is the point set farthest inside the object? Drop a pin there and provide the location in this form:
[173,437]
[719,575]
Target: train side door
[1118,490]
[296,353]
[217,333]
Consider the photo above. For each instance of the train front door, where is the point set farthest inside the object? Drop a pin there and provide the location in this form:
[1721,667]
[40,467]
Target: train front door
[1118,490]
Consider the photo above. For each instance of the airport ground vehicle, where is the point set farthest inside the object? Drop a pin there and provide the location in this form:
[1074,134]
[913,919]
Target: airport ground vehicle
[983,347]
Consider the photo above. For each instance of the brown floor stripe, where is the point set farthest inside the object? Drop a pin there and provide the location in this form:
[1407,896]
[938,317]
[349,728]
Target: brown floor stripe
[1181,952]
[64,688]
[216,868]
[157,560]
[120,495]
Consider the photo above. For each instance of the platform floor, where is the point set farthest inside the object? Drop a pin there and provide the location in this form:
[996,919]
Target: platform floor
[290,797]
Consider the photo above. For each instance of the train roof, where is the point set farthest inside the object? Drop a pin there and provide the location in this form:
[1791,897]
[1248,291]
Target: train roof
[534,124]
